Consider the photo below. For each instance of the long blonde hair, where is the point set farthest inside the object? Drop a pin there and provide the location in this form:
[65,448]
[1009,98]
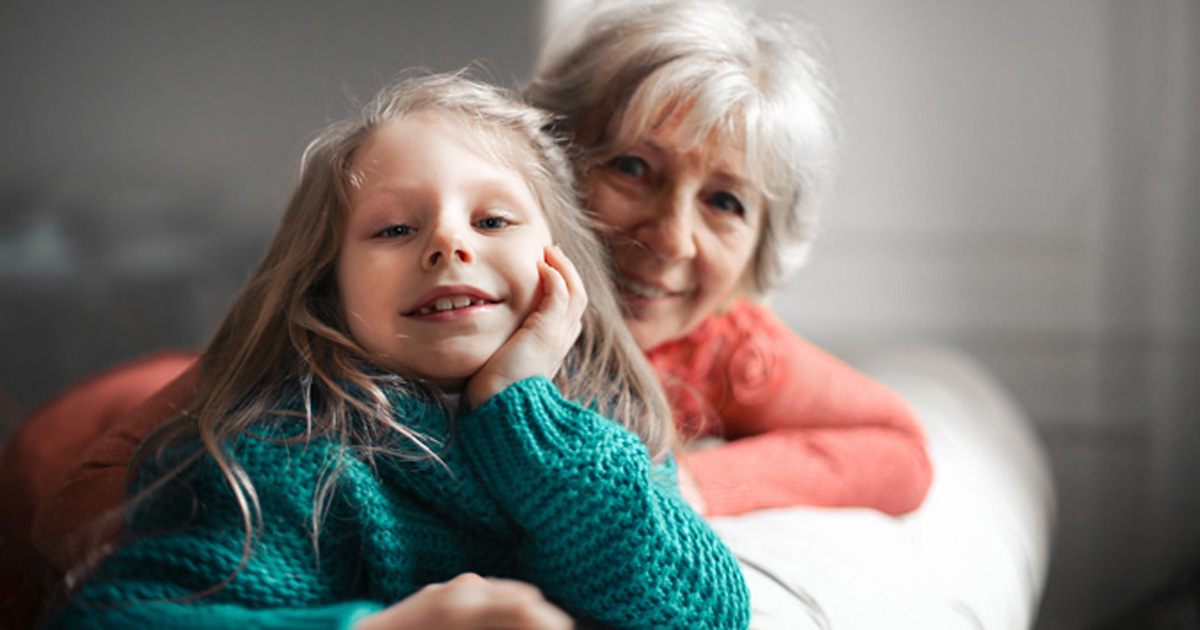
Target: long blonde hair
[286,329]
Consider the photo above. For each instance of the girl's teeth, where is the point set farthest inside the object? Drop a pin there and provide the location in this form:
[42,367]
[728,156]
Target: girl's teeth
[445,304]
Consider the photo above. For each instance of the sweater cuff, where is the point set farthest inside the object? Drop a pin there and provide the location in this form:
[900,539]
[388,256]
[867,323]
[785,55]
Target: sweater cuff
[529,437]
[531,419]
[354,612]
[344,616]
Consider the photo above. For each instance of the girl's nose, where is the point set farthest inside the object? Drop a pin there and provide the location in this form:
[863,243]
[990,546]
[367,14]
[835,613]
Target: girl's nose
[668,230]
[446,245]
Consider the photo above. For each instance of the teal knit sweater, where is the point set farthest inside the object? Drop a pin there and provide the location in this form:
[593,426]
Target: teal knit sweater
[530,486]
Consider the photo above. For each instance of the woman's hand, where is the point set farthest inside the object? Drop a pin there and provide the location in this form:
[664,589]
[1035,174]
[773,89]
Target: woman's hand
[471,602]
[539,346]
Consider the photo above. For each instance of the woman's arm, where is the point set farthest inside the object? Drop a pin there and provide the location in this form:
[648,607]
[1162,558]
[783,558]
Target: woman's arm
[84,512]
[803,427]
[608,535]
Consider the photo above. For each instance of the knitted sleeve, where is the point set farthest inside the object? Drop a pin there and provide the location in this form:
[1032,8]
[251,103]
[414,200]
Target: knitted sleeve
[606,534]
[803,428]
[184,568]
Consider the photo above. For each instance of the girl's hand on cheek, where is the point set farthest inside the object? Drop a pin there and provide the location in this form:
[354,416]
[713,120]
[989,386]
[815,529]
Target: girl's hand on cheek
[539,346]
[471,602]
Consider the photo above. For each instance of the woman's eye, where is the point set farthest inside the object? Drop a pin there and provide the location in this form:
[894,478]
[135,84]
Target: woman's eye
[395,231]
[630,166]
[726,203]
[492,223]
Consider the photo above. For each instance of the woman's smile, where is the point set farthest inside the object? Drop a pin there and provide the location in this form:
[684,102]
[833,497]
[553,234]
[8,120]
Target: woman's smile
[633,287]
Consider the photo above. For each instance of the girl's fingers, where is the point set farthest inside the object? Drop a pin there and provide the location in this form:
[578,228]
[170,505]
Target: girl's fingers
[569,285]
[555,294]
[576,292]
[557,259]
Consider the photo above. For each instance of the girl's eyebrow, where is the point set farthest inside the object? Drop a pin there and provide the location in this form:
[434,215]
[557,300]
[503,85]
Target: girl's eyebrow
[373,197]
[499,186]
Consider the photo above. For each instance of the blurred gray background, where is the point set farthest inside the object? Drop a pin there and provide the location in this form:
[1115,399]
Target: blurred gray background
[1019,182]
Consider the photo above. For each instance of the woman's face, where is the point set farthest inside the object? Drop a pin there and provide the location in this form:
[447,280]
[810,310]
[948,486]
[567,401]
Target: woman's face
[683,225]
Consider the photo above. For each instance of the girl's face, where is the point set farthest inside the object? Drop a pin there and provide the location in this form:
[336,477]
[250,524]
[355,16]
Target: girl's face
[438,265]
[683,227]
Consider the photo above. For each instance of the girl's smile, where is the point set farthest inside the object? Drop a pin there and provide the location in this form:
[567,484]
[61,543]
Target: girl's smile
[451,301]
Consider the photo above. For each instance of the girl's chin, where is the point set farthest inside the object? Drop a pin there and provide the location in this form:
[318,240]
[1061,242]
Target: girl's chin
[454,381]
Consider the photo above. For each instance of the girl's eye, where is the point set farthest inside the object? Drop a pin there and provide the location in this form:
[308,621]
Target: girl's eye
[395,231]
[630,166]
[726,203]
[492,223]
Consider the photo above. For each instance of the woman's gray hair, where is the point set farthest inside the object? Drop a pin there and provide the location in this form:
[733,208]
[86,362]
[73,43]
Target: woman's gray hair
[759,83]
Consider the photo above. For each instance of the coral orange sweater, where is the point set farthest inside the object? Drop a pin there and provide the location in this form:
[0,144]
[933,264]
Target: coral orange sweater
[801,427]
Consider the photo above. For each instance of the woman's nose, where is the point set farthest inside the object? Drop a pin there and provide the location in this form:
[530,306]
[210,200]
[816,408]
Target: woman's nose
[447,244]
[668,229]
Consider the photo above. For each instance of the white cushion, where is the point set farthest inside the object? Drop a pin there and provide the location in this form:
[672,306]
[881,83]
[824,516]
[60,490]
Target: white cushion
[973,556]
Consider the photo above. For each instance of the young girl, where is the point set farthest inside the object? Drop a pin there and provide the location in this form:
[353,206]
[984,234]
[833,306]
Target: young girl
[414,387]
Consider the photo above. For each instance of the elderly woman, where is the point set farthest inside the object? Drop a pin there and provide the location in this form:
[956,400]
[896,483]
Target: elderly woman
[704,139]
